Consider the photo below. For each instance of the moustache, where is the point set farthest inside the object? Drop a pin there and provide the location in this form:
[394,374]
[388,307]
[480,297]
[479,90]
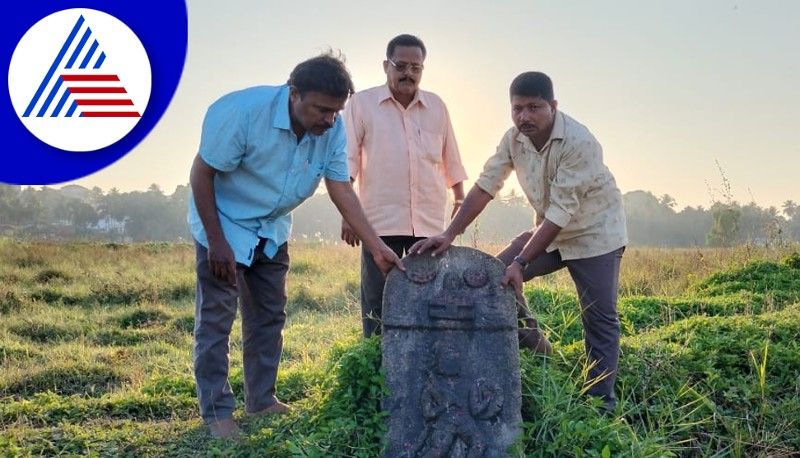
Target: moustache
[324,126]
[526,126]
[407,79]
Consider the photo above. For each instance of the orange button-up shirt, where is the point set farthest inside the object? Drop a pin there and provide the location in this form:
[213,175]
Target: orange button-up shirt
[403,159]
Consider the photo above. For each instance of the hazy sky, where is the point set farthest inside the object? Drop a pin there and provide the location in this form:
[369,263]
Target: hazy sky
[668,87]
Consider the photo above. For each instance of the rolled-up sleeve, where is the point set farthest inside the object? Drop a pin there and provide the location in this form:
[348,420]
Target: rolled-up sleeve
[336,167]
[454,172]
[354,127]
[576,169]
[497,168]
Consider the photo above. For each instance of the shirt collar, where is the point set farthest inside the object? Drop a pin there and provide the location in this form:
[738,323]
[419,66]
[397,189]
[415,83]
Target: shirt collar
[559,129]
[386,94]
[282,119]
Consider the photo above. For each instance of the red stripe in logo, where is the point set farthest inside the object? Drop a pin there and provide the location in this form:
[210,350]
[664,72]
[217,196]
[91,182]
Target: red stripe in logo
[90,77]
[111,114]
[97,90]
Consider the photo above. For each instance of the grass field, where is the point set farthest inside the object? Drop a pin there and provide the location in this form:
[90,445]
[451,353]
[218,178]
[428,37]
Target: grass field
[95,350]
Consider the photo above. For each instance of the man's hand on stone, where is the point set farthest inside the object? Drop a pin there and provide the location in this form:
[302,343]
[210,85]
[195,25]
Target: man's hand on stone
[513,277]
[438,244]
[386,259]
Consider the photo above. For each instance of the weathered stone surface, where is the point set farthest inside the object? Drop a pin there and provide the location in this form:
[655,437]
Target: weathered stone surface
[451,357]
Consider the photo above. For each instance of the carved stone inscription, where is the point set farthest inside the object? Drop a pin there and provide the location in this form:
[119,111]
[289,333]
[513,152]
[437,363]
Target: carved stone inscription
[451,357]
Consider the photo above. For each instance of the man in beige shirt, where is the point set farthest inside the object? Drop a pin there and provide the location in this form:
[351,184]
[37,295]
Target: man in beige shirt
[580,222]
[403,154]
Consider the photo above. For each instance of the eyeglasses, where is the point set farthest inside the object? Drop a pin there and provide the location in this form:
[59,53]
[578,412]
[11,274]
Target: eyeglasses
[403,66]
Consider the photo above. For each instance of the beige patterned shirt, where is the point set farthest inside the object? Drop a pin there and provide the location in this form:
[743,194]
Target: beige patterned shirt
[567,183]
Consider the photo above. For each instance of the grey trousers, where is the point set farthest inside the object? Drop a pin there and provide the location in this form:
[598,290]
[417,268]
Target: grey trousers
[597,282]
[261,295]
[373,282]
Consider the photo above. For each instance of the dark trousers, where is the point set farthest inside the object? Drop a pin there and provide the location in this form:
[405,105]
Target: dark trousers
[261,295]
[373,281]
[597,282]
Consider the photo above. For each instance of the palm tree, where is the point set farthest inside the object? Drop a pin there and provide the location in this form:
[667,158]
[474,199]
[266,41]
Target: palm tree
[790,208]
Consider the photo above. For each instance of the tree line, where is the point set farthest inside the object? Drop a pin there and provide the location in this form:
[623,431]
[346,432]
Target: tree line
[75,212]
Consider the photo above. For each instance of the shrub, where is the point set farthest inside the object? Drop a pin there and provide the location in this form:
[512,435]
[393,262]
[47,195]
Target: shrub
[780,282]
[48,275]
[142,318]
[71,378]
[42,332]
[9,301]
[184,324]
[49,408]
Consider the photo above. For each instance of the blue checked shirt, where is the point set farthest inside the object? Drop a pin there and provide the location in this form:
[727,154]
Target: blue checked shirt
[264,172]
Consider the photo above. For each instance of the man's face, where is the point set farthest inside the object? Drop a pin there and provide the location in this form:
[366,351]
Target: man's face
[404,70]
[533,116]
[314,112]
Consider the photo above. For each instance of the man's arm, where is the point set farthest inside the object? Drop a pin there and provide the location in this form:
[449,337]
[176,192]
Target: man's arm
[348,234]
[541,239]
[577,167]
[458,197]
[454,173]
[473,205]
[354,129]
[345,199]
[220,256]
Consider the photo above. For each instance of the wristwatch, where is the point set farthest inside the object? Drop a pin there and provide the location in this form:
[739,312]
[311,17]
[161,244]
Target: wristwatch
[518,259]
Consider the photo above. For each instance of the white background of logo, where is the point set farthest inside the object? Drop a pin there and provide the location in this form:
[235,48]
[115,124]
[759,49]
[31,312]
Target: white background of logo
[33,56]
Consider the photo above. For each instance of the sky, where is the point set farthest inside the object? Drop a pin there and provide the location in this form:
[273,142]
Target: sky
[669,88]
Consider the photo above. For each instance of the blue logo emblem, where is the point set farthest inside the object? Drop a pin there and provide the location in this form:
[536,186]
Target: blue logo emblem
[85,84]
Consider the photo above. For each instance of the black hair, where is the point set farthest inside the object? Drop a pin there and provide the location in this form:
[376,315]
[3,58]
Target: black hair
[404,40]
[532,84]
[325,73]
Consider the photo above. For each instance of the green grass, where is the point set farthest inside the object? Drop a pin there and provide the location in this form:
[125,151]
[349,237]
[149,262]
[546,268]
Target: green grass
[95,347]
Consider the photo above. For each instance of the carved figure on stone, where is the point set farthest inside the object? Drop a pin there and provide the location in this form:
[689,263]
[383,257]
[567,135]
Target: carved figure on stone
[450,429]
[451,358]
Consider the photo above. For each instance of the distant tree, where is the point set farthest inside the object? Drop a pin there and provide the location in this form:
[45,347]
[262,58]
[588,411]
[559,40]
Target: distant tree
[667,201]
[60,211]
[9,204]
[792,212]
[793,227]
[110,206]
[760,225]
[178,206]
[152,215]
[652,220]
[155,190]
[790,209]
[96,196]
[30,207]
[725,229]
[81,215]
[693,224]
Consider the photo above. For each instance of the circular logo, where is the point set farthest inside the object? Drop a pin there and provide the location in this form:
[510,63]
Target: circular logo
[79,80]
[67,140]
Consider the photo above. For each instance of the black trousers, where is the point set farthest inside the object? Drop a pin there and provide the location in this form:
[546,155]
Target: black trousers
[597,282]
[373,281]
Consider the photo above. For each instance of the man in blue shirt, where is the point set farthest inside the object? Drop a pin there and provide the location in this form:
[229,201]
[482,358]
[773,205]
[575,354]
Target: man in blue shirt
[263,151]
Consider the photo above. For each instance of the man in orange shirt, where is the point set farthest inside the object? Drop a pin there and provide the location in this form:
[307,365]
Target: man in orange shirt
[402,152]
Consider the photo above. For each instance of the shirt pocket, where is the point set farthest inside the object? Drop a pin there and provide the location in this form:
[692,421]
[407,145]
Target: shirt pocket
[308,181]
[431,146]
